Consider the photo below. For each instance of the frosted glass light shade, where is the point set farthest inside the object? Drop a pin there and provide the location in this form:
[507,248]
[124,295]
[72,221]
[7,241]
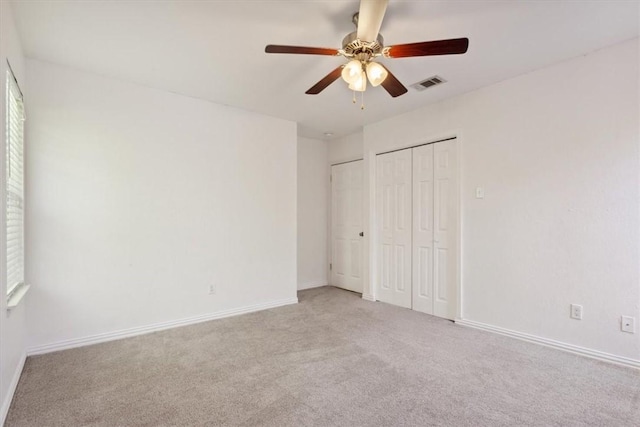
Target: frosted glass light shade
[351,72]
[376,73]
[360,85]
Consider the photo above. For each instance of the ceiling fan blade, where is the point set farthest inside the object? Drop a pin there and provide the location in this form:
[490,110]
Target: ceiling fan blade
[436,47]
[392,85]
[300,50]
[326,81]
[370,19]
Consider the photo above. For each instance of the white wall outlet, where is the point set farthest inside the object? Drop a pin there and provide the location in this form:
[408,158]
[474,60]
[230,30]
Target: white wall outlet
[212,289]
[576,311]
[479,193]
[628,324]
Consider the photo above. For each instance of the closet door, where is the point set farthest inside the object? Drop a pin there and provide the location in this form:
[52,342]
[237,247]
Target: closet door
[394,227]
[445,229]
[423,244]
[346,226]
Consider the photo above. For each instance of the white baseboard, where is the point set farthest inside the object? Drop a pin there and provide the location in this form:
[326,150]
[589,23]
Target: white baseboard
[368,297]
[141,330]
[583,351]
[12,389]
[311,285]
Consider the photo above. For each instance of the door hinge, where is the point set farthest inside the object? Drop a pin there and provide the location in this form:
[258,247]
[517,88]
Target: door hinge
[330,266]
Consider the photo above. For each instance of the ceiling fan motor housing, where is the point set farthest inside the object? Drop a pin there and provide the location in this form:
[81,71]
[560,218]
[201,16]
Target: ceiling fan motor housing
[352,46]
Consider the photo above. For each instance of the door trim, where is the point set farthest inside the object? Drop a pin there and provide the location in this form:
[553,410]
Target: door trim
[342,163]
[416,146]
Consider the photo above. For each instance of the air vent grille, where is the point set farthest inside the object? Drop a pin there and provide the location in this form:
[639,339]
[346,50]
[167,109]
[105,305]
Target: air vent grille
[427,83]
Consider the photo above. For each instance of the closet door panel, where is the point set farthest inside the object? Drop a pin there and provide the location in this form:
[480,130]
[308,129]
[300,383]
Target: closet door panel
[385,219]
[445,228]
[423,228]
[394,212]
[402,233]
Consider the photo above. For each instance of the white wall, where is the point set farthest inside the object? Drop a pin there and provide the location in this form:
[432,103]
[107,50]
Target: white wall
[313,193]
[139,200]
[347,148]
[557,151]
[13,328]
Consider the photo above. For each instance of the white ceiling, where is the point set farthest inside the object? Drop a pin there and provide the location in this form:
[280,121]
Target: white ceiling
[214,50]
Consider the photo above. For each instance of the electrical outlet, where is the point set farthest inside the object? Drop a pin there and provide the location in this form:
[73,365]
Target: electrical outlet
[628,324]
[576,311]
[479,193]
[212,289]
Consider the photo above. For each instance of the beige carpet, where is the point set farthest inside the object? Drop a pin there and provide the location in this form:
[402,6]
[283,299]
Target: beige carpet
[333,359]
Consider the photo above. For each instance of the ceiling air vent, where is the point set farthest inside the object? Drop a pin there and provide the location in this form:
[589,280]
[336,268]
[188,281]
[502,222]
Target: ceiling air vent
[425,84]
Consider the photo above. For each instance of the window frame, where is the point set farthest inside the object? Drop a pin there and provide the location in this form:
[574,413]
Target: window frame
[14,98]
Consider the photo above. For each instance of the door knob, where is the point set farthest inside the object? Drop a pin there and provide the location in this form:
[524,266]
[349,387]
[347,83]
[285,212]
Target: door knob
[362,234]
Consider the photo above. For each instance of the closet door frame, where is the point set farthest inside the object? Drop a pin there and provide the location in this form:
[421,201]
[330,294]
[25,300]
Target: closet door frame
[370,291]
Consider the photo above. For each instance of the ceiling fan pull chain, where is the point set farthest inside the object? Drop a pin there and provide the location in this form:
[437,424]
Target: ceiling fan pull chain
[354,97]
[362,99]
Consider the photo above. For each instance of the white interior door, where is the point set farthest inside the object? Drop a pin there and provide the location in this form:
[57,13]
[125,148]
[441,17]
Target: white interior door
[346,226]
[445,236]
[394,201]
[423,244]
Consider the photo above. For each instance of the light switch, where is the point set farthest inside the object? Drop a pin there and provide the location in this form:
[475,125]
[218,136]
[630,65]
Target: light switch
[628,324]
[479,193]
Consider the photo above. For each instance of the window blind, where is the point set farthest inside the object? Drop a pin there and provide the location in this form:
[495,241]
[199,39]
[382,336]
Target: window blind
[15,185]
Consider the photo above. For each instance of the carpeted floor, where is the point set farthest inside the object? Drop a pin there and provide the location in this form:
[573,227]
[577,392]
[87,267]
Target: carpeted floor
[332,359]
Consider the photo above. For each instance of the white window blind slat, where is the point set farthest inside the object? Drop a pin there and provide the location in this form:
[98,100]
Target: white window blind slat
[14,186]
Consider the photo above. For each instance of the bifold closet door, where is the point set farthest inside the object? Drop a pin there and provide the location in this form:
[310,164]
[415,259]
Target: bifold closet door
[435,219]
[393,186]
[423,228]
[346,226]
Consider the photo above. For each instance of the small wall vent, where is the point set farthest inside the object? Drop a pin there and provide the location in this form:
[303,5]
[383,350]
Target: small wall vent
[426,84]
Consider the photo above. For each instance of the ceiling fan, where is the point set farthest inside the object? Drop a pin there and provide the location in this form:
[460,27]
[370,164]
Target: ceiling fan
[363,46]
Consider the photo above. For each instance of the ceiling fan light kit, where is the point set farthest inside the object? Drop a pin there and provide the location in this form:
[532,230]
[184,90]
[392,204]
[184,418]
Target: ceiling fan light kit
[376,73]
[360,83]
[352,71]
[362,53]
